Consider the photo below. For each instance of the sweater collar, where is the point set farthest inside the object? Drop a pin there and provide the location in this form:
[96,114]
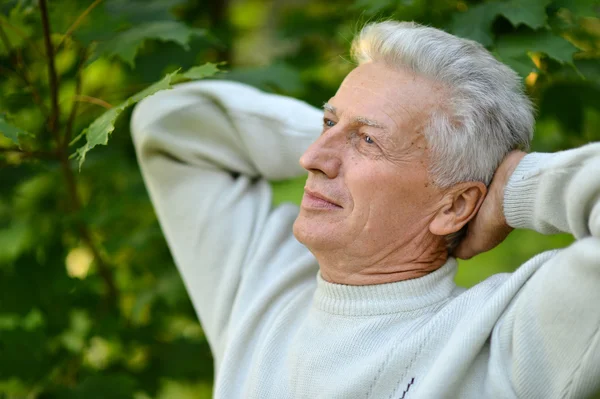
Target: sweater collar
[377,299]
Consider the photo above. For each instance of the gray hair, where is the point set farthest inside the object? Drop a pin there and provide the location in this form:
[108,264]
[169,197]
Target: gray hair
[485,113]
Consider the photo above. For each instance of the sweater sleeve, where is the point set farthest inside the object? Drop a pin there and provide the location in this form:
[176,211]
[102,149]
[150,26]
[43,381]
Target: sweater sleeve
[549,338]
[205,150]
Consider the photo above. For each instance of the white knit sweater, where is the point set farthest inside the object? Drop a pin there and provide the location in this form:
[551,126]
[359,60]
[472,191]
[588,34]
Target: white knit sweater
[278,330]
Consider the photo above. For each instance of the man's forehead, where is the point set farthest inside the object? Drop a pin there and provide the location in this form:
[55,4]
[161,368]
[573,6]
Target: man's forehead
[394,98]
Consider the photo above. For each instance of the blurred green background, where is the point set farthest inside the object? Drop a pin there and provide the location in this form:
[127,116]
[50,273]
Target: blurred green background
[91,304]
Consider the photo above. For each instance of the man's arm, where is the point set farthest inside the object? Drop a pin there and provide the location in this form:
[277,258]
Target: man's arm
[205,150]
[548,341]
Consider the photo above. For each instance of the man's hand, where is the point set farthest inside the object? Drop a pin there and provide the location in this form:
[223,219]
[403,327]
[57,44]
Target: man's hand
[489,228]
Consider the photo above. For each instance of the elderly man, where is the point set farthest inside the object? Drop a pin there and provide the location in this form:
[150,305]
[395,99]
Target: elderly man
[360,302]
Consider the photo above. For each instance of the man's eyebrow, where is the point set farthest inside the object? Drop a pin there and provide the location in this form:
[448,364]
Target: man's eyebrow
[361,120]
[330,108]
[369,122]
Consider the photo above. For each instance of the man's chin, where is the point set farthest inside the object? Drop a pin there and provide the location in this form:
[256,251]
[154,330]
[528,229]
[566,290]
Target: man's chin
[314,234]
[299,229]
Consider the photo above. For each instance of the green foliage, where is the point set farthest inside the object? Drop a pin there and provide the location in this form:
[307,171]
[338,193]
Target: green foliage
[527,12]
[201,72]
[126,45]
[105,386]
[10,131]
[102,127]
[91,304]
[476,23]
[514,49]
[99,131]
[20,34]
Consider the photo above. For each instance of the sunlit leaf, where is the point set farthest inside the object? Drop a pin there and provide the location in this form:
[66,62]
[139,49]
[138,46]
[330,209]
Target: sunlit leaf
[202,71]
[126,44]
[99,131]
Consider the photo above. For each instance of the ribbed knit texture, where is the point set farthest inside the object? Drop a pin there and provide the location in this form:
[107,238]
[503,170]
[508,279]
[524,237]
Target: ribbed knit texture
[520,195]
[383,299]
[278,330]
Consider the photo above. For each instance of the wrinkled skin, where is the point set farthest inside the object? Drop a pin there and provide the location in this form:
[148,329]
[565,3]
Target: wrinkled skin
[370,213]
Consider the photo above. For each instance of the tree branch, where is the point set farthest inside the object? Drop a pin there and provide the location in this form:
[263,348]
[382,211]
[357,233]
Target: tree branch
[84,231]
[77,22]
[78,89]
[93,100]
[52,76]
[62,152]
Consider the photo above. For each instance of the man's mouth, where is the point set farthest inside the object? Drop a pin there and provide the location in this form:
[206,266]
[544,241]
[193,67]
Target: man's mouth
[316,200]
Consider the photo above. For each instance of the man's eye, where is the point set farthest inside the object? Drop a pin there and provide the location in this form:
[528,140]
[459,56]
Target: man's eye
[328,122]
[369,140]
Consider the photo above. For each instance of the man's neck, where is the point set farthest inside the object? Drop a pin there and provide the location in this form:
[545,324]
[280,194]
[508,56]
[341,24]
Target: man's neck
[403,262]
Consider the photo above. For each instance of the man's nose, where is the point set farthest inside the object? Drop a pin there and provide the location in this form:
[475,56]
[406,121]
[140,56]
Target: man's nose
[324,155]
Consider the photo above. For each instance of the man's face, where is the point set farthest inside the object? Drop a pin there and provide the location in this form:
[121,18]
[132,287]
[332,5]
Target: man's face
[368,190]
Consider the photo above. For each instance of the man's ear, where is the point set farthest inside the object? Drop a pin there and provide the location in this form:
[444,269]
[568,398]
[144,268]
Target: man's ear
[459,206]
